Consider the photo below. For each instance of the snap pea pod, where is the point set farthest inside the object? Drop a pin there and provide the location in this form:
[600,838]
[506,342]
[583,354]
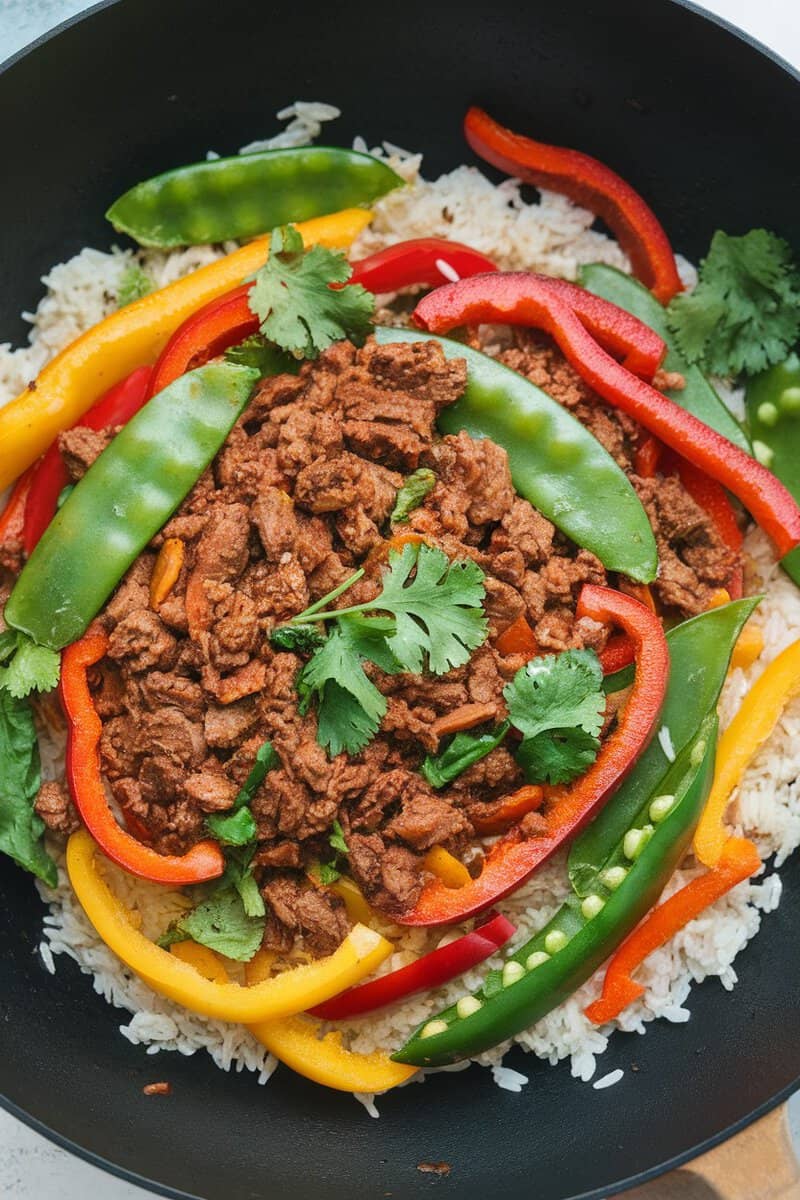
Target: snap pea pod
[249,194]
[698,397]
[700,651]
[555,462]
[550,966]
[773,413]
[123,500]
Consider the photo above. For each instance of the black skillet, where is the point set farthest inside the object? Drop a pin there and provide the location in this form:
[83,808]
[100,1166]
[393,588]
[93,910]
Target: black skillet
[706,124]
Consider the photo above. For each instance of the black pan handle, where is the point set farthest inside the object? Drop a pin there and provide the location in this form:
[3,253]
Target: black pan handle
[758,1164]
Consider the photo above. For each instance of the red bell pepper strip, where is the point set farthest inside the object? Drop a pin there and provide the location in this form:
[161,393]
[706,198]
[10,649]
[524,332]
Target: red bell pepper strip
[511,860]
[229,319]
[418,261]
[586,182]
[739,861]
[12,518]
[84,728]
[522,299]
[617,653]
[50,476]
[647,456]
[640,348]
[430,971]
[713,499]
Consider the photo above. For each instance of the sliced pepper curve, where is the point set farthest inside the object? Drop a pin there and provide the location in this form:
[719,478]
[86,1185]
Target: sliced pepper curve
[739,860]
[587,182]
[133,335]
[517,298]
[755,720]
[559,958]
[84,729]
[282,995]
[511,860]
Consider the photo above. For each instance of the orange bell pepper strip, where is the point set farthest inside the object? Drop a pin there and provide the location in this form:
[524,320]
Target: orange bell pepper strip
[296,1041]
[754,722]
[133,335]
[282,995]
[166,571]
[203,861]
[748,647]
[738,862]
[519,638]
[508,810]
[467,716]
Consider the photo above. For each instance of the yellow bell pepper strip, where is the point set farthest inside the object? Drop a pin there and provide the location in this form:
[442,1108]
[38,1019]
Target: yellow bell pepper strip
[738,862]
[754,722]
[203,959]
[748,648]
[296,1042]
[283,995]
[445,867]
[133,335]
[356,906]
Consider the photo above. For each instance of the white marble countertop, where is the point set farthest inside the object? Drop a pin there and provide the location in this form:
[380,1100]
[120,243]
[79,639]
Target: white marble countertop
[31,1168]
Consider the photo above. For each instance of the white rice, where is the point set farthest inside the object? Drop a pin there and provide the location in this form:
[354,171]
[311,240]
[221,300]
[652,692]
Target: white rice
[553,236]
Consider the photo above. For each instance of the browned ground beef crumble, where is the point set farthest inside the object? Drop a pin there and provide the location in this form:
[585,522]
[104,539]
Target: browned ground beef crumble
[299,497]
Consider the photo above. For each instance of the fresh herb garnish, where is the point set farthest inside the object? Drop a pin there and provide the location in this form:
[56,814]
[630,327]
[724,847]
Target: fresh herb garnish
[298,309]
[412,494]
[237,827]
[326,873]
[437,620]
[222,924]
[21,829]
[557,702]
[336,839]
[133,284]
[25,666]
[463,752]
[744,313]
[300,639]
[257,352]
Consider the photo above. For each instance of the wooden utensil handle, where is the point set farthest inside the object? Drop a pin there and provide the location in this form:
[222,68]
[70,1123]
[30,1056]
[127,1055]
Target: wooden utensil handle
[758,1164]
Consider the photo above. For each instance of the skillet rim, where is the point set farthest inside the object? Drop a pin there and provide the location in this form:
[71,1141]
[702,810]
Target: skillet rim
[98,1160]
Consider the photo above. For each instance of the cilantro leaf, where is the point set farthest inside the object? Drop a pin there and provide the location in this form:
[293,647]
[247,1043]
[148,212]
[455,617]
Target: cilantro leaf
[326,873]
[412,494]
[744,313]
[235,828]
[31,667]
[222,924]
[21,829]
[133,284]
[300,639]
[239,874]
[439,612]
[350,706]
[464,751]
[256,351]
[557,756]
[557,703]
[298,309]
[336,839]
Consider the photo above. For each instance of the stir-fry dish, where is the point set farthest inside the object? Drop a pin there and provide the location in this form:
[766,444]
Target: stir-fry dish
[418,610]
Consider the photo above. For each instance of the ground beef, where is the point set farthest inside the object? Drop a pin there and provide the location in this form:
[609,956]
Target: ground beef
[79,447]
[54,805]
[300,497]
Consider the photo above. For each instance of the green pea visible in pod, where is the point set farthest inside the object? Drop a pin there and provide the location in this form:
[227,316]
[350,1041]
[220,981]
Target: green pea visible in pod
[698,396]
[247,195]
[772,401]
[699,651]
[555,462]
[123,500]
[583,933]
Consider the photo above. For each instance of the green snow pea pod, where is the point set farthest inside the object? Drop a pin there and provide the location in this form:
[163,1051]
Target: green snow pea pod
[698,397]
[555,462]
[699,651]
[123,500]
[773,413]
[558,959]
[247,195]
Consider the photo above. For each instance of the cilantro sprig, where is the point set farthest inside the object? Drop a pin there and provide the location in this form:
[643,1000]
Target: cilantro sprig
[436,620]
[744,313]
[557,703]
[25,666]
[298,308]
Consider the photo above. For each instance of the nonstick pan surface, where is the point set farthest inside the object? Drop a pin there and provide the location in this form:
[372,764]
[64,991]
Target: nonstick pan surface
[706,124]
